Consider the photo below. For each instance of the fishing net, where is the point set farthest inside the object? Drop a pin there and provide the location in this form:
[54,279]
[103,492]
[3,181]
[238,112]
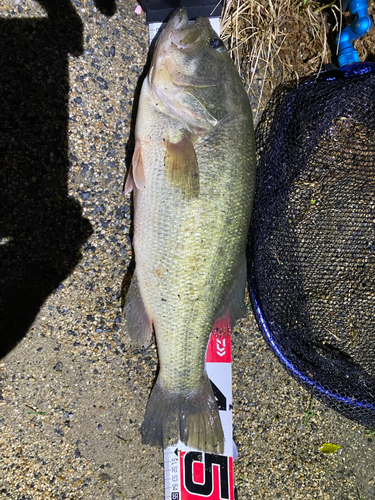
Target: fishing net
[312,236]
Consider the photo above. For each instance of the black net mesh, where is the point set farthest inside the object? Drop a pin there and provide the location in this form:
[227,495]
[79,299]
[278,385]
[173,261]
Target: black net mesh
[312,237]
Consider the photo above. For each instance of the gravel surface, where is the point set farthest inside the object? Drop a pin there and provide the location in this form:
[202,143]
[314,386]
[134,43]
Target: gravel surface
[73,390]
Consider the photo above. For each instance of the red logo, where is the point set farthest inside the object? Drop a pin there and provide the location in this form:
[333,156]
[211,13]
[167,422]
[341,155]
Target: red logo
[206,476]
[218,349]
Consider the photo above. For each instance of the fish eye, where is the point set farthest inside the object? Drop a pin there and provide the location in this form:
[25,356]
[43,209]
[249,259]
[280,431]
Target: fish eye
[216,43]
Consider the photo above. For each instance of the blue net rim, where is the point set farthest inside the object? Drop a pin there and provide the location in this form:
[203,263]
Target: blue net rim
[330,72]
[305,380]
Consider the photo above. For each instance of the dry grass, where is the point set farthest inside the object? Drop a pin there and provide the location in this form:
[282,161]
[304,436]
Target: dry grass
[365,45]
[273,41]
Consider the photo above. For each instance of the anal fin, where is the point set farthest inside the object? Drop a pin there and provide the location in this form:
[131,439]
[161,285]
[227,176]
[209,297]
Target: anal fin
[138,322]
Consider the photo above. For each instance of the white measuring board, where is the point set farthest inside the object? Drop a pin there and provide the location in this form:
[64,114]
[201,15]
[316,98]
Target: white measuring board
[190,474]
[155,28]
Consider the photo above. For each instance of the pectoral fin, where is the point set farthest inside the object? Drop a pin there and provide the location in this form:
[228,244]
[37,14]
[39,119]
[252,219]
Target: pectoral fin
[182,166]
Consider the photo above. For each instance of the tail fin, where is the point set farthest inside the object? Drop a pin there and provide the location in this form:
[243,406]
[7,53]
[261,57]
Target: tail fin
[191,417]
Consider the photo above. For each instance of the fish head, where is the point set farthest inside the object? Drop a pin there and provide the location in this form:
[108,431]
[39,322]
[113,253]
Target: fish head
[191,72]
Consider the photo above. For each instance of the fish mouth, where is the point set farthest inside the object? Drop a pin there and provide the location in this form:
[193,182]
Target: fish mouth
[182,18]
[179,42]
[182,33]
[179,19]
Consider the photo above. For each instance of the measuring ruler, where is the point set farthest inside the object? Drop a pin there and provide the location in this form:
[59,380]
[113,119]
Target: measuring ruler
[155,28]
[191,474]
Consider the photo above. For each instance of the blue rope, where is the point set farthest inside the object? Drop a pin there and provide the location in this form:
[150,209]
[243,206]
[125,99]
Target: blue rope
[360,26]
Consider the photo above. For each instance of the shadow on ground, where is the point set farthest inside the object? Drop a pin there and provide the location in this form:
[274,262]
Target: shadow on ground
[41,227]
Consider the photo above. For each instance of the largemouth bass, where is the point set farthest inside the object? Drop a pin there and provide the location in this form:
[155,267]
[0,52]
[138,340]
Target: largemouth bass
[193,173]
